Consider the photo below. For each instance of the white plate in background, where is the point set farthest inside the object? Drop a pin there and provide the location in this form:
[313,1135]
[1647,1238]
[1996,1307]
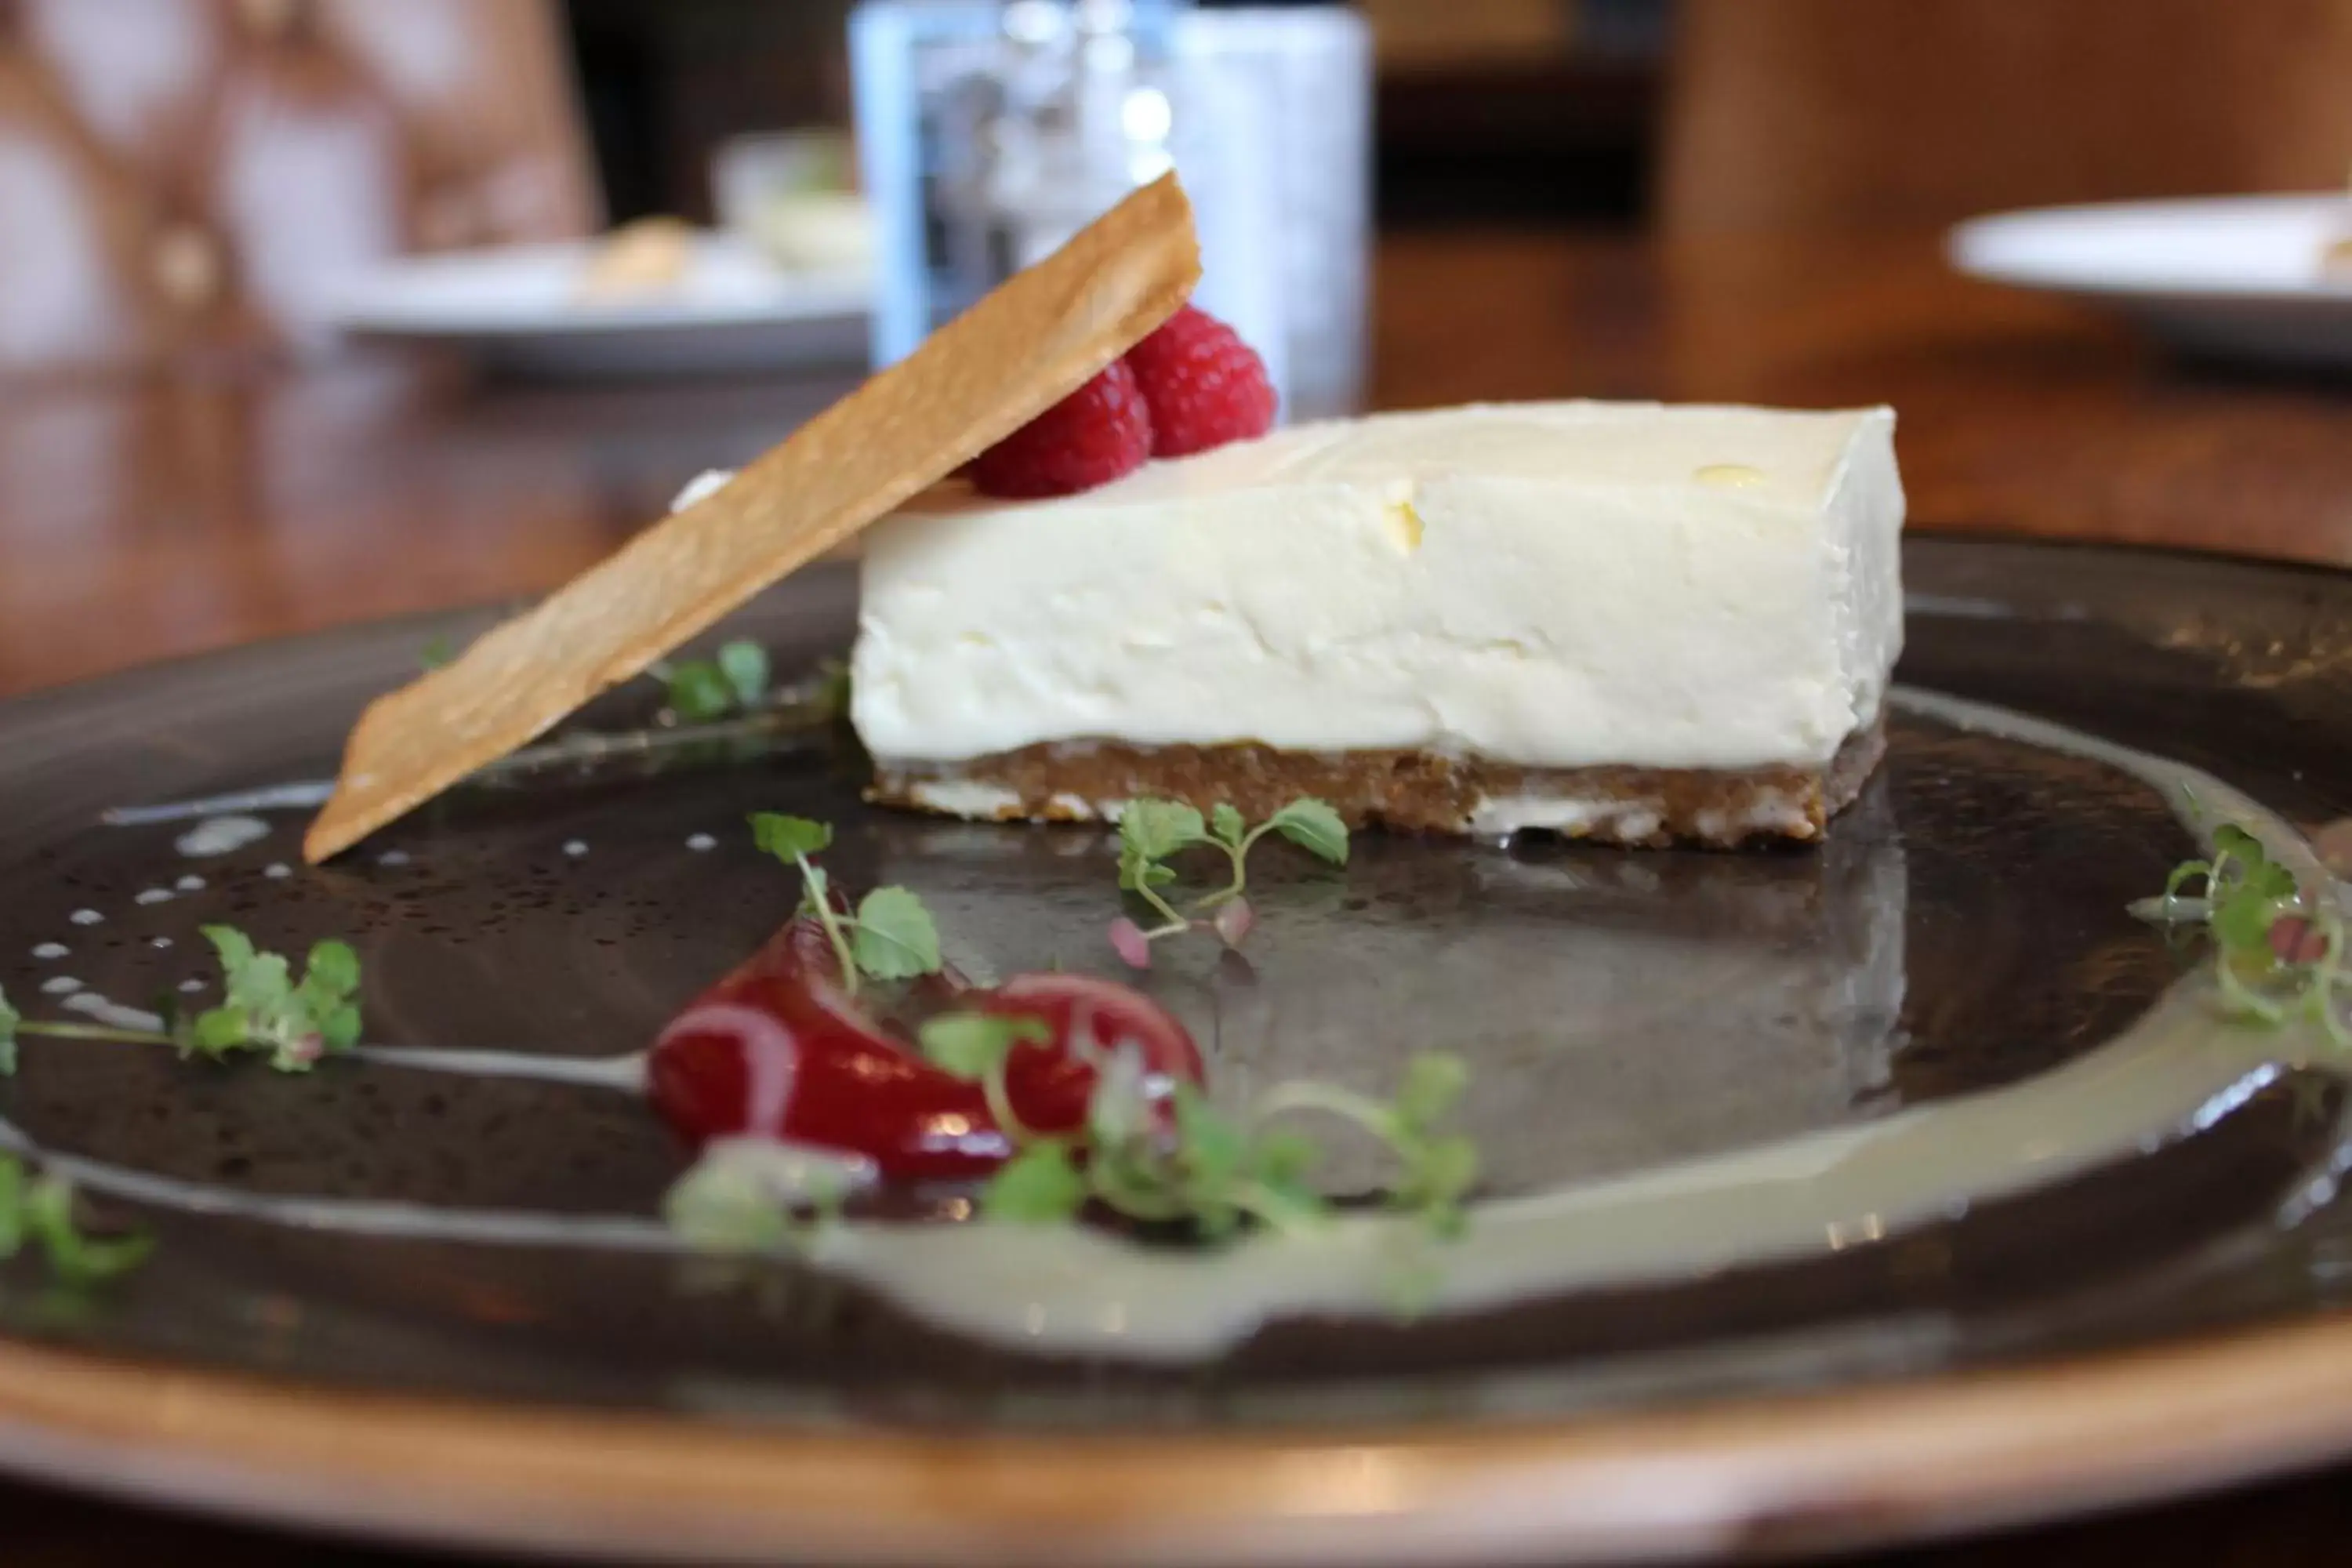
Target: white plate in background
[520,310]
[2235,277]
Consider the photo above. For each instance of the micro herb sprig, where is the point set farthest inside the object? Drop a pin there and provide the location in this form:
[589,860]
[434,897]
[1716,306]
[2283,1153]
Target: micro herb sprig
[2278,956]
[701,689]
[748,1197]
[1150,832]
[266,1008]
[1194,1163]
[39,1211]
[263,1008]
[890,937]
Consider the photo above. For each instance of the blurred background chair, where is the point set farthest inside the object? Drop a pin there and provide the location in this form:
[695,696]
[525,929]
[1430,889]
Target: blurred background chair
[1807,114]
[184,177]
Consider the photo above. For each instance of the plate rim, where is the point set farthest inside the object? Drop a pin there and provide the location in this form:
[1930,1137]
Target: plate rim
[1965,243]
[801,299]
[1906,1460]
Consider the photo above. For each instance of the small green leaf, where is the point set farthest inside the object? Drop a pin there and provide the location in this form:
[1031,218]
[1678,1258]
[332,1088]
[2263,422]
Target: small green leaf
[1284,1157]
[2270,880]
[235,948]
[322,1002]
[333,970]
[1040,1186]
[1287,1203]
[94,1261]
[219,1030]
[894,939]
[12,1206]
[1227,824]
[721,1207]
[9,1019]
[745,665]
[1315,827]
[1214,1148]
[699,692]
[1449,1168]
[2234,841]
[970,1045]
[751,1196]
[2243,920]
[788,837]
[76,1258]
[1136,873]
[1438,1177]
[1155,829]
[257,983]
[438,652]
[1433,1082]
[264,986]
[341,1028]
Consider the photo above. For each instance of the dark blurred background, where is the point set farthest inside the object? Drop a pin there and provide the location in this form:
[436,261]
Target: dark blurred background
[1489,110]
[203,181]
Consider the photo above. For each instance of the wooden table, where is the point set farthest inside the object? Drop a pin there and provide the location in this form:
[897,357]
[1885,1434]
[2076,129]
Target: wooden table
[139,523]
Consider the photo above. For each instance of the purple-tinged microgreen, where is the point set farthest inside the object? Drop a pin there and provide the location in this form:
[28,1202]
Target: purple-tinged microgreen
[890,937]
[1150,832]
[263,1008]
[2278,952]
[39,1211]
[1151,1151]
[1131,943]
[1162,1155]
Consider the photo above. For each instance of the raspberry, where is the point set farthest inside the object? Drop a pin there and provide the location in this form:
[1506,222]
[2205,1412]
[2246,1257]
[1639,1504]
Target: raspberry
[1204,385]
[1090,437]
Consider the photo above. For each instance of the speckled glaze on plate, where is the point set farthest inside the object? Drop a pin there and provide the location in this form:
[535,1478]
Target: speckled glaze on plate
[1964,929]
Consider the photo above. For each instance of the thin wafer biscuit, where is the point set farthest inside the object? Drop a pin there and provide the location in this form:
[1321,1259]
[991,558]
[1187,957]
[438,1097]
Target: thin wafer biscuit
[1024,347]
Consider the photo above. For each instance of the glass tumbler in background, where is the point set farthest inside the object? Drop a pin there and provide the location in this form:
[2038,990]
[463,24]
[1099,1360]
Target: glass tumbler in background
[990,132]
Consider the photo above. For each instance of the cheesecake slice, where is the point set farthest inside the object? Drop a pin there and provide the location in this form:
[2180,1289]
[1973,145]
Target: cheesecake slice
[1631,622]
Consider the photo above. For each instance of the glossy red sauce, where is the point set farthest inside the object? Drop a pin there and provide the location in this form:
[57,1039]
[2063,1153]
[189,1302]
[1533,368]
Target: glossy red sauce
[779,1050]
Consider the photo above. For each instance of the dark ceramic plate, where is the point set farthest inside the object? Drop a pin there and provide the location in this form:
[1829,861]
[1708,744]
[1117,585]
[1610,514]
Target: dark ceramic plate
[1965,929]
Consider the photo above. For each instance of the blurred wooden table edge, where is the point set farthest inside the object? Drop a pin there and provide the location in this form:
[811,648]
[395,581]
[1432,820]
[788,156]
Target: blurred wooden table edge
[144,520]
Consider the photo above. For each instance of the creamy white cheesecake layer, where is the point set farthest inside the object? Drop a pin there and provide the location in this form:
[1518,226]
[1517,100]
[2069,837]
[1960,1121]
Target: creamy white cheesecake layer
[1548,584]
